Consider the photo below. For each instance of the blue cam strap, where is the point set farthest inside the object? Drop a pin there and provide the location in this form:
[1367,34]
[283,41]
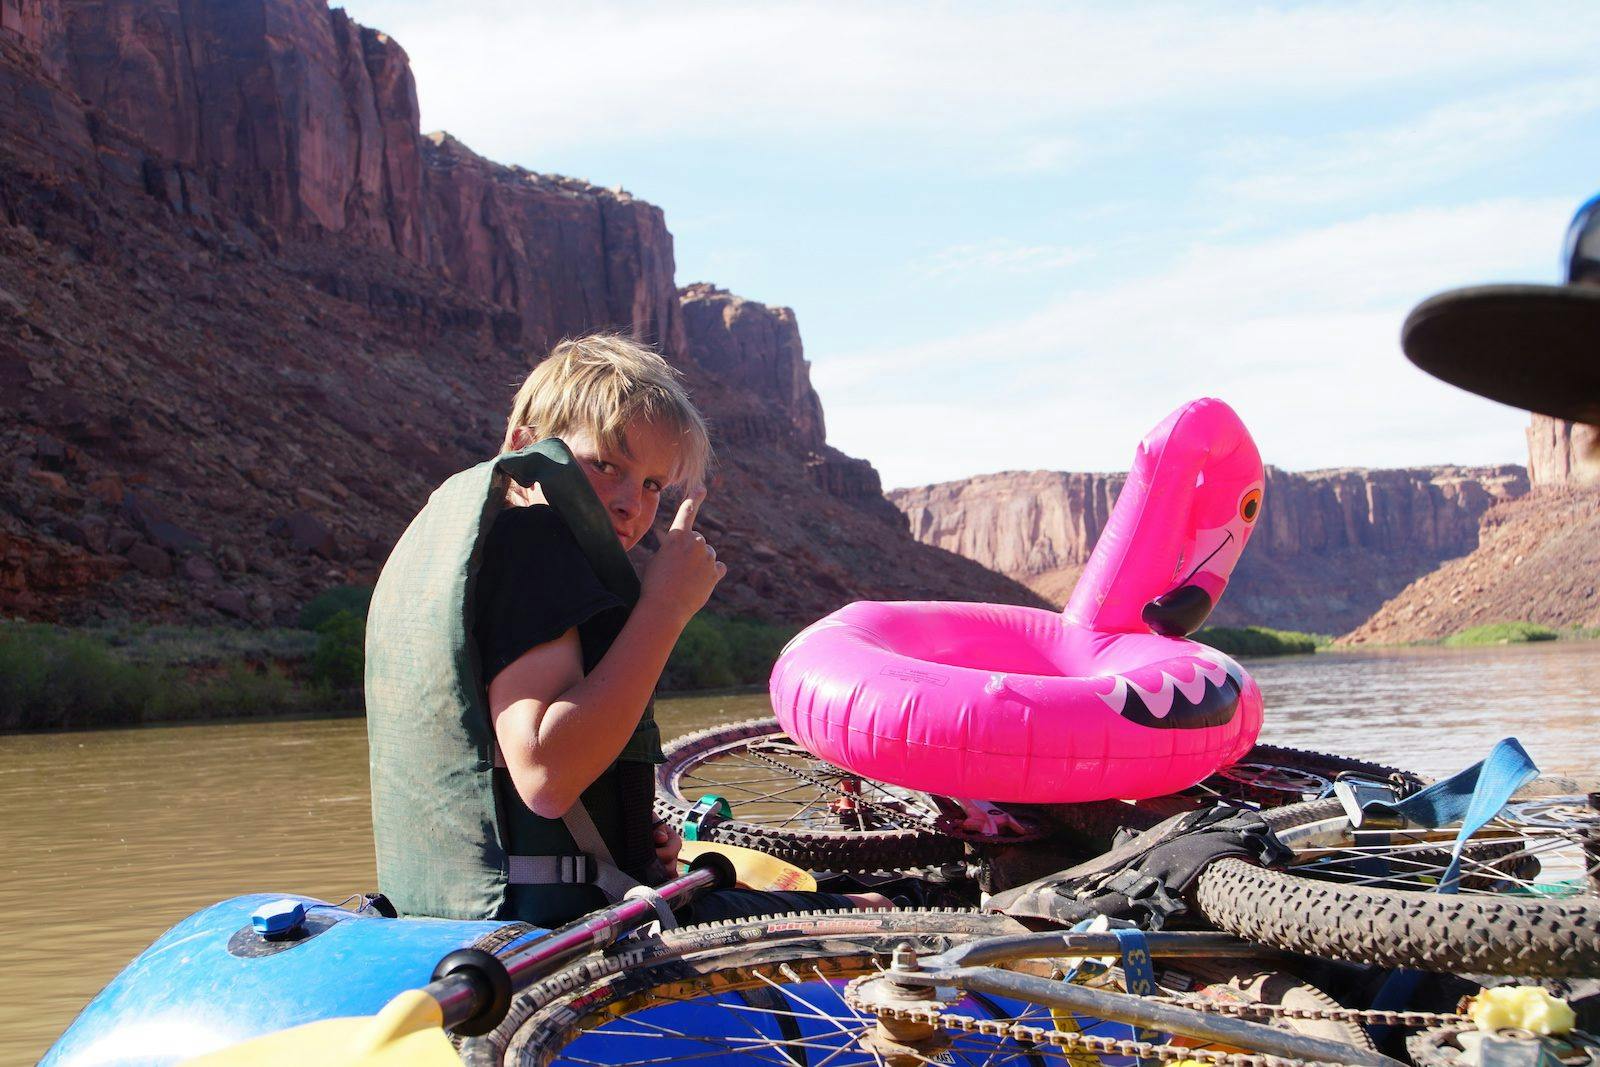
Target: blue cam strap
[1138,973]
[1471,797]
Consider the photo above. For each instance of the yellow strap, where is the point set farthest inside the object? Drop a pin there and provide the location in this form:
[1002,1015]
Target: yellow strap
[407,1032]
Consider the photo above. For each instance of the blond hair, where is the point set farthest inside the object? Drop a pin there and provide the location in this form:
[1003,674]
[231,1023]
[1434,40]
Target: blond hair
[602,383]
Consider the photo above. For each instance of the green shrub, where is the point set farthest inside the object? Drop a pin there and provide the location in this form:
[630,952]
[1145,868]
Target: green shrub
[1503,633]
[701,659]
[719,653]
[340,658]
[51,677]
[353,599]
[55,678]
[243,690]
[202,646]
[1259,640]
[753,648]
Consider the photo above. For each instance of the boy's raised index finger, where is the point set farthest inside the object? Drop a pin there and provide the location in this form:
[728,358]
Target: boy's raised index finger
[689,509]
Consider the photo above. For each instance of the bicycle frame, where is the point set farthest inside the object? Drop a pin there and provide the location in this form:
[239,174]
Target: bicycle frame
[965,968]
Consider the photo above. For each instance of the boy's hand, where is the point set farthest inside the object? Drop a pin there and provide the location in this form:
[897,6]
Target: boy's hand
[685,568]
[668,842]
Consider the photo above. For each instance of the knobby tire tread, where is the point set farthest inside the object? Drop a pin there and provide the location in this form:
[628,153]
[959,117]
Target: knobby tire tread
[1326,764]
[1399,928]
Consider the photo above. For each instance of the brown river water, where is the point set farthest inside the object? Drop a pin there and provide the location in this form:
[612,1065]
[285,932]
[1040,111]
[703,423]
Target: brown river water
[110,837]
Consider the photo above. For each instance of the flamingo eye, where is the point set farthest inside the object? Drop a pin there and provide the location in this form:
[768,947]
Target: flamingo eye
[1250,505]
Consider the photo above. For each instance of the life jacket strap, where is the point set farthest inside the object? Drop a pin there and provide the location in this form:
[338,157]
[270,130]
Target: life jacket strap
[596,865]
[608,876]
[571,870]
[550,870]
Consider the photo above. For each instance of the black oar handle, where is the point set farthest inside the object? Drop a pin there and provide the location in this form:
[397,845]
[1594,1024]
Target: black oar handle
[474,988]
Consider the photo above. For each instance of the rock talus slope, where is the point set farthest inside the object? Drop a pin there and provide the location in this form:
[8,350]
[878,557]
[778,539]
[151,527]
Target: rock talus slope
[1538,559]
[250,315]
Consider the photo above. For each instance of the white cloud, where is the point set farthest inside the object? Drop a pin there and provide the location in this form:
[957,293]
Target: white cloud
[1384,161]
[1299,332]
[1041,155]
[999,256]
[515,80]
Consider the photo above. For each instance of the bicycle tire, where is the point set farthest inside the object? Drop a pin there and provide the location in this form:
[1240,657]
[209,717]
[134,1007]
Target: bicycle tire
[721,957]
[1291,910]
[842,850]
[1319,769]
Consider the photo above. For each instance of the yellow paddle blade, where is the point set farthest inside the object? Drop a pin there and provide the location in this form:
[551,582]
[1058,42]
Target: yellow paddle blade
[755,870]
[407,1032]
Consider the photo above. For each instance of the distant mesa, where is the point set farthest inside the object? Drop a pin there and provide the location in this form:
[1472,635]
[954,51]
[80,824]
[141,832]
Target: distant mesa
[1378,556]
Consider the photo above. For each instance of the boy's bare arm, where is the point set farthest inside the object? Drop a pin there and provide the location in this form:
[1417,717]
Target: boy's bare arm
[559,728]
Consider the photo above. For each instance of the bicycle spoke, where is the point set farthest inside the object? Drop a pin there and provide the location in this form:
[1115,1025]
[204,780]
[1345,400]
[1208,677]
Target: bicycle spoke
[1489,864]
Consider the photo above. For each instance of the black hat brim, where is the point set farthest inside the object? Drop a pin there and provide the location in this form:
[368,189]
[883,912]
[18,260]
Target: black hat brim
[1531,346]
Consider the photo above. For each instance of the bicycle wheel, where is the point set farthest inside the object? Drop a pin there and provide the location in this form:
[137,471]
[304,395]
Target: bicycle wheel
[791,804]
[773,990]
[1272,776]
[1526,903]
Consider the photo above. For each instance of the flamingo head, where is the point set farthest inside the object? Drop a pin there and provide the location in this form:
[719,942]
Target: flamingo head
[1224,520]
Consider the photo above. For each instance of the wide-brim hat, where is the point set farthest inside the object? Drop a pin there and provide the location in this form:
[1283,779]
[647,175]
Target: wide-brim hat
[1532,346]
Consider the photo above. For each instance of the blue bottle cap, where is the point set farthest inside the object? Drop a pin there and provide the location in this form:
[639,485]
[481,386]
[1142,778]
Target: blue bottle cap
[279,917]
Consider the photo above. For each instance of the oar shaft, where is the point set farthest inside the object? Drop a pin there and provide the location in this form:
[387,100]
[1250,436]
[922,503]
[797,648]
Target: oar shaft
[540,958]
[471,994]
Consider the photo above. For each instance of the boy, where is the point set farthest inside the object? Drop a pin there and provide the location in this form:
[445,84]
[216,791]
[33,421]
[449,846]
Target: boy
[569,669]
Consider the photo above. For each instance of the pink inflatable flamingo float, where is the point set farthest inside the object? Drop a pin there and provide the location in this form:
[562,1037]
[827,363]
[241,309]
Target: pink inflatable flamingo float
[1105,700]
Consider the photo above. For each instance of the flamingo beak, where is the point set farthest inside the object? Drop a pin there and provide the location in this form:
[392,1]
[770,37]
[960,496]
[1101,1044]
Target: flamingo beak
[1180,612]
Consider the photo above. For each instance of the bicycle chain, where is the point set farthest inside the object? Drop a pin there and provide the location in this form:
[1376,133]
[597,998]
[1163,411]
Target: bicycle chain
[1410,1020]
[900,818]
[932,1014]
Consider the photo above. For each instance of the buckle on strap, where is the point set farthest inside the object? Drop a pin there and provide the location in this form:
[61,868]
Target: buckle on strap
[550,870]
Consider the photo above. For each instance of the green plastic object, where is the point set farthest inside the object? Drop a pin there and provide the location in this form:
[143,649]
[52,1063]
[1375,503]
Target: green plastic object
[710,804]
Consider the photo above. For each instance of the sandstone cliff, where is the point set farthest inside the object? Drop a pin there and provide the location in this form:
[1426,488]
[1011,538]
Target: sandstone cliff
[1332,547]
[1562,454]
[249,315]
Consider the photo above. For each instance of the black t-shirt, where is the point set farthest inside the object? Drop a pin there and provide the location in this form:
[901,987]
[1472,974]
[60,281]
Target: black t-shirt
[534,584]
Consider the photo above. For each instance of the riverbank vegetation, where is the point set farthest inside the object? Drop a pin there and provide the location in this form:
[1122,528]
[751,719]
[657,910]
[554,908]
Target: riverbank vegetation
[54,677]
[1517,633]
[57,678]
[1260,640]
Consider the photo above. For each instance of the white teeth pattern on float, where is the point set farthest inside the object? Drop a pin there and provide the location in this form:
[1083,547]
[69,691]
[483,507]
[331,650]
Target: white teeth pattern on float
[1211,655]
[1210,667]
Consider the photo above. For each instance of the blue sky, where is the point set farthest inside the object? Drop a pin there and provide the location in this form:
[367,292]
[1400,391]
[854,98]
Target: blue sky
[1017,235]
